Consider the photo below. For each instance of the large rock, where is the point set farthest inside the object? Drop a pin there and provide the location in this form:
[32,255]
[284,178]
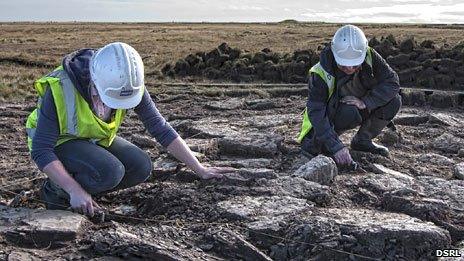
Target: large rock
[445,119]
[146,243]
[435,159]
[370,233]
[448,143]
[39,228]
[459,171]
[296,187]
[231,104]
[320,169]
[258,208]
[250,145]
[388,235]
[410,119]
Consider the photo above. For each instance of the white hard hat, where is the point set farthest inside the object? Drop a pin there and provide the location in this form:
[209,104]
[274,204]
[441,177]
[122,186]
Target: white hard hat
[349,46]
[118,75]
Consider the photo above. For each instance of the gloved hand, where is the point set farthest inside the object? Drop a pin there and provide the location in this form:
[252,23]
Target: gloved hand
[352,100]
[343,157]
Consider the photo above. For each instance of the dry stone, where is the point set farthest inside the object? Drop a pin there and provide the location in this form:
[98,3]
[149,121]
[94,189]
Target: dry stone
[459,171]
[320,169]
[448,143]
[296,187]
[39,228]
[435,159]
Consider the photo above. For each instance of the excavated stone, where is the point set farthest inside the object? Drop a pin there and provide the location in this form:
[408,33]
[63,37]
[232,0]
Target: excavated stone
[250,145]
[143,243]
[269,121]
[390,137]
[164,166]
[212,128]
[245,163]
[205,146]
[261,104]
[435,159]
[259,208]
[320,169]
[258,173]
[459,171]
[231,104]
[371,233]
[447,143]
[296,187]
[21,256]
[379,233]
[445,119]
[410,119]
[39,228]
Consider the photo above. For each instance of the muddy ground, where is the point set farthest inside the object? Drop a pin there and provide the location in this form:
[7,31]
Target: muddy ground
[399,208]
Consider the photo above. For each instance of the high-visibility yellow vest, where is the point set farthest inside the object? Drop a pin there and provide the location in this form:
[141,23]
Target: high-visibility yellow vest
[329,79]
[75,117]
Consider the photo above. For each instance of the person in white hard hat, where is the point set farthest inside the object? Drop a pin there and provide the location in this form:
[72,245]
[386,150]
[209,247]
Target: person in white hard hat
[72,134]
[351,85]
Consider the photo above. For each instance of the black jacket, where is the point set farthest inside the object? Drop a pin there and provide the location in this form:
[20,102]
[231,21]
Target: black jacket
[381,82]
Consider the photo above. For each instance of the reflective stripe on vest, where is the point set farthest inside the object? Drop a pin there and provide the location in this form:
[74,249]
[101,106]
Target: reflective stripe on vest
[75,117]
[329,79]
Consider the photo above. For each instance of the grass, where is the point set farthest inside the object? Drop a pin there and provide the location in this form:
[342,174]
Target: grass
[30,50]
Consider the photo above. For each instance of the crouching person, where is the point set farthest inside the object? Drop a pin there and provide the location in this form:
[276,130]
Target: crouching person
[352,85]
[72,134]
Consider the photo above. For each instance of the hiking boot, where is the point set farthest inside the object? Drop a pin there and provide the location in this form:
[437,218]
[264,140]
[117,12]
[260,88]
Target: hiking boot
[370,129]
[55,198]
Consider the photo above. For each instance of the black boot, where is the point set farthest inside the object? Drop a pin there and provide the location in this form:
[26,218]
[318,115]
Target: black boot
[53,196]
[370,129]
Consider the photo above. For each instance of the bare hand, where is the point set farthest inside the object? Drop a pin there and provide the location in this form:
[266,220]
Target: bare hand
[214,172]
[82,202]
[352,100]
[343,157]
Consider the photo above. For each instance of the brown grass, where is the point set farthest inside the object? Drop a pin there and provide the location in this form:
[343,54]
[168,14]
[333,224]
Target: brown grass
[27,49]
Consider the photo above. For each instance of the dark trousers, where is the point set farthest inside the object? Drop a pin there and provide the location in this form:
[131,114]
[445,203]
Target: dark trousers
[349,117]
[100,170]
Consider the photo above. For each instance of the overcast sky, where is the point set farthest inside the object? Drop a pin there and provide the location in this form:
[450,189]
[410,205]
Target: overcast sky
[381,11]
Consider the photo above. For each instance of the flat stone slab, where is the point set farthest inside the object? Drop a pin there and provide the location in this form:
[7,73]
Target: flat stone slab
[256,208]
[250,145]
[436,159]
[146,243]
[447,143]
[230,104]
[365,232]
[296,187]
[39,228]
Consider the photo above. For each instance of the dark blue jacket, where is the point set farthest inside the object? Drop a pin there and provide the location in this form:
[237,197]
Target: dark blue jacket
[77,66]
[381,82]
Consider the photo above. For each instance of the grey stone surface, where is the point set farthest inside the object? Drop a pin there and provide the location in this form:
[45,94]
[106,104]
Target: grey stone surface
[447,143]
[39,228]
[436,159]
[459,171]
[296,187]
[320,169]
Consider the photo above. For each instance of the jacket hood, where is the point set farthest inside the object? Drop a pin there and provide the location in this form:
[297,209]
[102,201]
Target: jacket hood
[77,66]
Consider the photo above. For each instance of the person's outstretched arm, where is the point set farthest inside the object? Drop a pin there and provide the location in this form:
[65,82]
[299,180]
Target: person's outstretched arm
[160,129]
